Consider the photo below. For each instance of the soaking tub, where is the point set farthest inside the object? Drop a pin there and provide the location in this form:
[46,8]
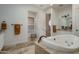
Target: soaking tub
[65,43]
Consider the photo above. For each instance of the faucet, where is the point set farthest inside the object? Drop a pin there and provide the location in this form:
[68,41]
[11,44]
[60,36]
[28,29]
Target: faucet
[41,38]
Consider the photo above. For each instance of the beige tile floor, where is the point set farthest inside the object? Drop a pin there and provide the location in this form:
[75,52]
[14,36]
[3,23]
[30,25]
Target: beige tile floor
[30,49]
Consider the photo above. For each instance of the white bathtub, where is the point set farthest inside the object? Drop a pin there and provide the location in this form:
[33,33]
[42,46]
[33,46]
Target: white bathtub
[65,43]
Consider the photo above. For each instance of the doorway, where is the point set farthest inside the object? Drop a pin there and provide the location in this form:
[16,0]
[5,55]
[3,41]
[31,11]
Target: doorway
[47,25]
[31,25]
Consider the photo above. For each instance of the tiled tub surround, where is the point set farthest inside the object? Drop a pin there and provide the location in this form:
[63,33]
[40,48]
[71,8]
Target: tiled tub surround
[41,49]
[40,46]
[22,48]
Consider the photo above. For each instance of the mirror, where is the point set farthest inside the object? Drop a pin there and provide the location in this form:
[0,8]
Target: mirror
[66,22]
[63,17]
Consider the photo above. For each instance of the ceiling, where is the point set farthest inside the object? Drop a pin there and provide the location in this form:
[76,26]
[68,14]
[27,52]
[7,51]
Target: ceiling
[56,6]
[42,6]
[60,6]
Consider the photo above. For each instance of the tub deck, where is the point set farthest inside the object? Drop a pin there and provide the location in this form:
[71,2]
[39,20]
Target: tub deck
[40,49]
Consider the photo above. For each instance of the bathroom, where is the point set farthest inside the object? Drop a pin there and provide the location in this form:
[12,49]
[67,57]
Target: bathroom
[28,26]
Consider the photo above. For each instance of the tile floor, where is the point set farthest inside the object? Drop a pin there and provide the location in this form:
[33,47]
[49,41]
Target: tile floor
[27,49]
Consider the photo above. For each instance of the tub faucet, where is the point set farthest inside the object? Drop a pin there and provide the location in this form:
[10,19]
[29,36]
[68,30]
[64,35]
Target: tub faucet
[54,39]
[41,38]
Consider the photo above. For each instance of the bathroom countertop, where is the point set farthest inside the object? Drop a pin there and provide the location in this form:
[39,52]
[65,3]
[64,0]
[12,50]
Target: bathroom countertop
[53,51]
